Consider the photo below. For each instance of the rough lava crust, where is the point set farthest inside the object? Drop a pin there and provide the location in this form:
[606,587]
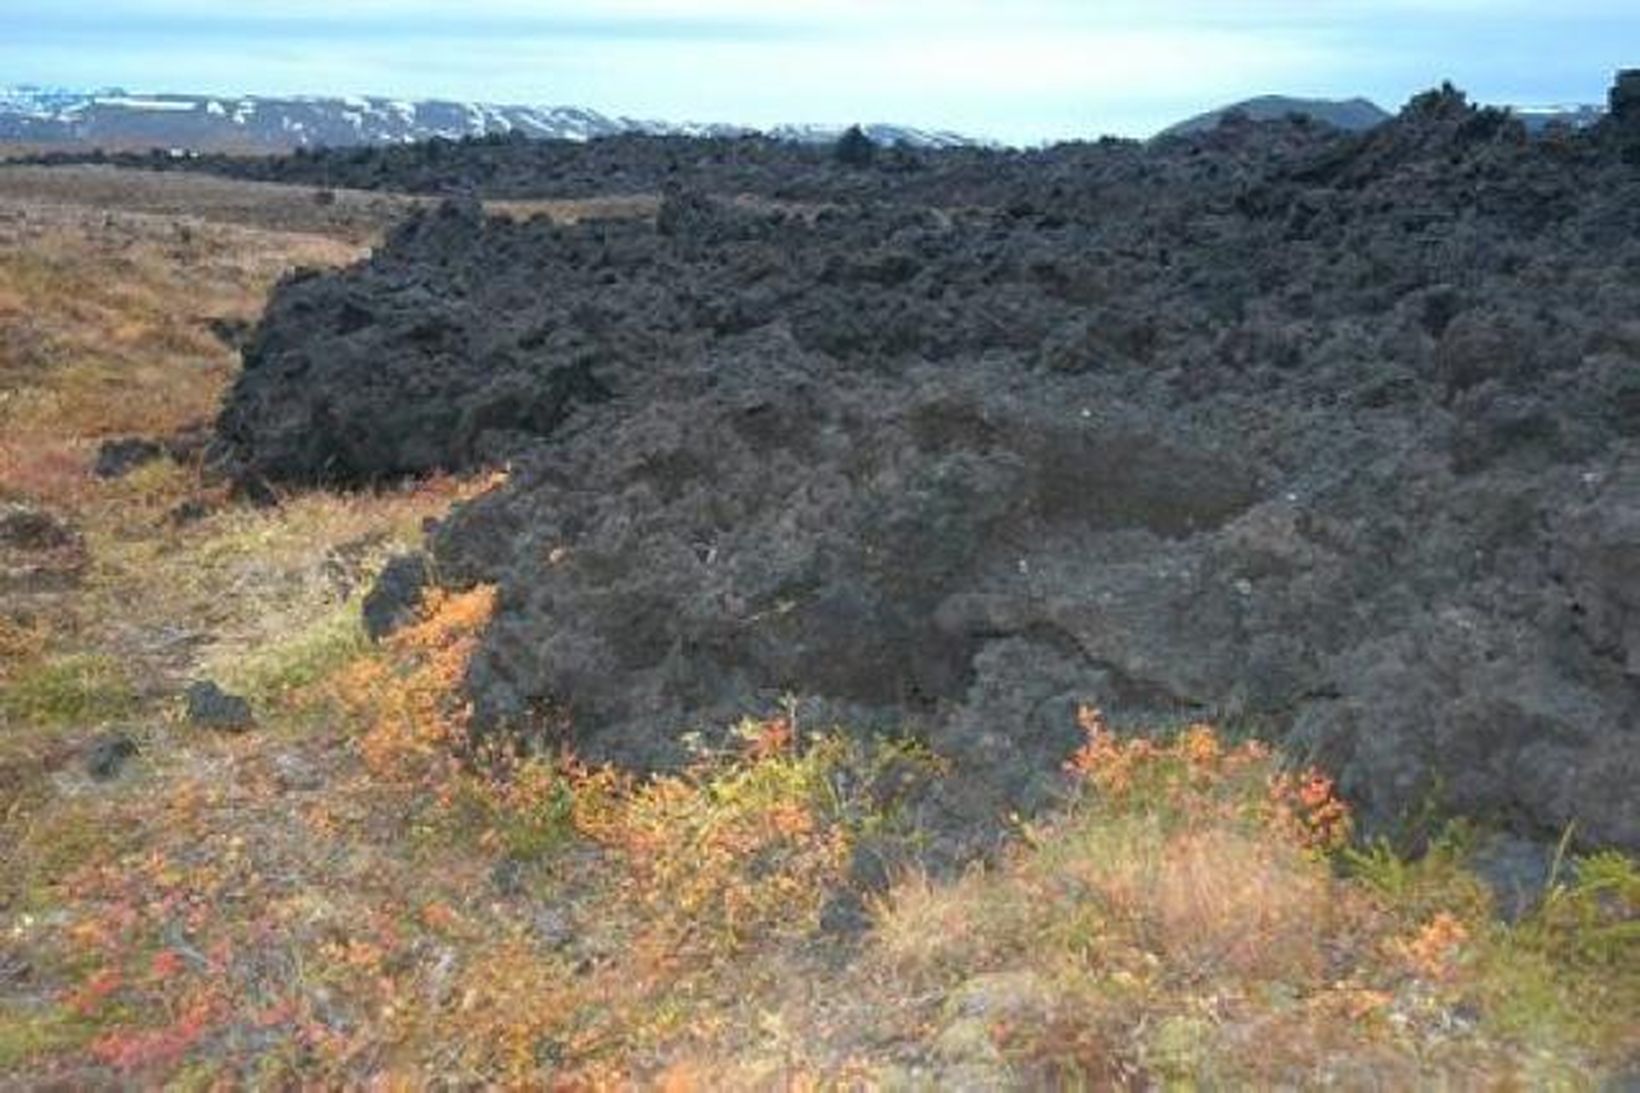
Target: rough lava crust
[1332,432]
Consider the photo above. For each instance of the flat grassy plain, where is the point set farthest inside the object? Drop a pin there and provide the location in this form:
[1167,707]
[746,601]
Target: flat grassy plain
[348,894]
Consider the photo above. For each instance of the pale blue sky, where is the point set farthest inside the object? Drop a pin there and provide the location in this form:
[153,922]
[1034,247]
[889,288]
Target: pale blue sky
[1020,70]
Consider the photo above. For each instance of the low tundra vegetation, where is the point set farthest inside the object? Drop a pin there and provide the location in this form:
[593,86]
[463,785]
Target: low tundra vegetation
[104,330]
[358,892]
[383,898]
[1199,913]
[67,690]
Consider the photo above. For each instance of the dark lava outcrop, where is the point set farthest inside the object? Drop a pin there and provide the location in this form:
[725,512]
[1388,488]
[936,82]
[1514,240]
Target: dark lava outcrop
[210,707]
[38,550]
[1336,433]
[392,601]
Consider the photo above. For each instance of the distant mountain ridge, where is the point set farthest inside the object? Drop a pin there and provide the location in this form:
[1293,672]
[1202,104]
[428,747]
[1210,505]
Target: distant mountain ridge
[117,119]
[1348,114]
[1357,114]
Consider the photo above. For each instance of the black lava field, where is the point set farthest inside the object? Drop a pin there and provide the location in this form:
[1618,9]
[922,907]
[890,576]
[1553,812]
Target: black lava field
[1332,436]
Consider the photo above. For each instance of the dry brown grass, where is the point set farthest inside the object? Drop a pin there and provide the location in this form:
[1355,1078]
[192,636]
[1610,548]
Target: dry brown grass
[351,216]
[103,329]
[103,332]
[10,150]
[1220,903]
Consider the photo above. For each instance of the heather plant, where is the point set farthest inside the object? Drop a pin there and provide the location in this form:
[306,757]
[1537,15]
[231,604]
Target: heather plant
[731,853]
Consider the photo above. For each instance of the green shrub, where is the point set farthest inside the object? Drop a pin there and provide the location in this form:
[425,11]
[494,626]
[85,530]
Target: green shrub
[82,689]
[301,659]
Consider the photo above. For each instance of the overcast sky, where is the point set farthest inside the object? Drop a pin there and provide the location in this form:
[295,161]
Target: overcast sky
[1018,70]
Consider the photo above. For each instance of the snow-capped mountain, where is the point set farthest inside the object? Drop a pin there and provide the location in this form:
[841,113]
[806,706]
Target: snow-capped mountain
[879,134]
[45,102]
[116,119]
[1572,115]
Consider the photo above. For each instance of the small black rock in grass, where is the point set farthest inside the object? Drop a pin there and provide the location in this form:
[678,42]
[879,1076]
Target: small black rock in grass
[1518,871]
[190,511]
[210,707]
[231,332]
[25,528]
[118,458]
[107,755]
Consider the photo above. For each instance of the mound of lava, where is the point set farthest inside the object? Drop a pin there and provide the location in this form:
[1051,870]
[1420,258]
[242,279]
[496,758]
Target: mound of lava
[1332,434]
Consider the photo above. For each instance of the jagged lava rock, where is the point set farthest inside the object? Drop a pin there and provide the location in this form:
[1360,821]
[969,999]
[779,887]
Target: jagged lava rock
[395,595]
[210,707]
[1328,431]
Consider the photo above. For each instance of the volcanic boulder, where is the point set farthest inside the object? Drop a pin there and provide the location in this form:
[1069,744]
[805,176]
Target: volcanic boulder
[118,458]
[396,594]
[208,706]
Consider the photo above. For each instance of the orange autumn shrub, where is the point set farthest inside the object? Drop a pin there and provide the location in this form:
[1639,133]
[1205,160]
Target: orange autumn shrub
[407,699]
[734,850]
[1199,777]
[741,846]
[1306,807]
[1432,953]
